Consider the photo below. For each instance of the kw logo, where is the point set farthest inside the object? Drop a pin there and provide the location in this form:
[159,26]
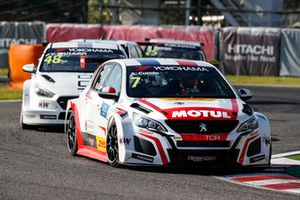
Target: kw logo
[125,140]
[43,104]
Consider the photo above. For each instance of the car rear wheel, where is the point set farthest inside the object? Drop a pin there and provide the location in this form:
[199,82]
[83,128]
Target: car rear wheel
[112,146]
[71,135]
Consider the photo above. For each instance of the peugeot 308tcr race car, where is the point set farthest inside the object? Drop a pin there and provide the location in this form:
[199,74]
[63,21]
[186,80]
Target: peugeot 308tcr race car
[166,112]
[65,68]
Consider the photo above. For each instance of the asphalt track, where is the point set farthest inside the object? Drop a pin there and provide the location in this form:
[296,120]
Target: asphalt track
[36,165]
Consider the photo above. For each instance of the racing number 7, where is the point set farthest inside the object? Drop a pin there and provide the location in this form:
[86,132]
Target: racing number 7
[136,81]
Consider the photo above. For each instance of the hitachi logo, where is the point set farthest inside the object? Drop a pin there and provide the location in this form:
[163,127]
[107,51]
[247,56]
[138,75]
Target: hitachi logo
[199,113]
[249,49]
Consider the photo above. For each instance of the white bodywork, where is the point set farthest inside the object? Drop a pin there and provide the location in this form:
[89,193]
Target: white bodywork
[41,110]
[95,115]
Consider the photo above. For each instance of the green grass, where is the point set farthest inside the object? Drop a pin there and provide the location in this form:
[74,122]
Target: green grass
[264,80]
[3,71]
[295,157]
[294,171]
[8,93]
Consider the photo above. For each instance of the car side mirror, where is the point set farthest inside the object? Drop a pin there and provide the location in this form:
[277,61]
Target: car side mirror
[29,68]
[245,94]
[108,93]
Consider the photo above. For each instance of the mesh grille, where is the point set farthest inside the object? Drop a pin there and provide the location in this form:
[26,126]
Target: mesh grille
[194,126]
[62,101]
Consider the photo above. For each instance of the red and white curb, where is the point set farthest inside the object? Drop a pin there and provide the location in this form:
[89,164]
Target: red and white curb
[278,182]
[274,178]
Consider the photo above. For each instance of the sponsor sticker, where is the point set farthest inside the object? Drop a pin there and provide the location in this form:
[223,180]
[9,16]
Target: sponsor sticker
[181,68]
[89,140]
[199,113]
[101,143]
[104,109]
[257,158]
[201,158]
[48,116]
[142,157]
[82,62]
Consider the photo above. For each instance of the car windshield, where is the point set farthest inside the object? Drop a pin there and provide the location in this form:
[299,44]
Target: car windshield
[174,51]
[77,59]
[176,81]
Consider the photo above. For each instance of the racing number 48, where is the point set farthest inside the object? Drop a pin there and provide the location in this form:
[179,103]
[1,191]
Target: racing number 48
[53,59]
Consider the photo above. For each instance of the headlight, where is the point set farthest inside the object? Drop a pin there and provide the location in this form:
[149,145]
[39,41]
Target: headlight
[147,123]
[42,92]
[249,125]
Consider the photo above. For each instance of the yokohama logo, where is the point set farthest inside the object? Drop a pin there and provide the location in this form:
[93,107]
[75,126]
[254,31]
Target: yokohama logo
[200,113]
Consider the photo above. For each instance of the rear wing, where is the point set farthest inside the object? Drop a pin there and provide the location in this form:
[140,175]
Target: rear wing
[147,42]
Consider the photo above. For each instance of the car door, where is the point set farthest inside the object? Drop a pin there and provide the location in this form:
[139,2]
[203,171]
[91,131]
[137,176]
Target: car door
[93,101]
[101,106]
[114,81]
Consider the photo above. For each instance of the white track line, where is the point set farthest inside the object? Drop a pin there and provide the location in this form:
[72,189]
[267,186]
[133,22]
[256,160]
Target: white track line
[10,101]
[271,181]
[285,154]
[297,191]
[286,161]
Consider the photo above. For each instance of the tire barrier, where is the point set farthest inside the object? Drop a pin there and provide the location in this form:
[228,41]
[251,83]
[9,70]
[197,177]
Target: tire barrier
[19,55]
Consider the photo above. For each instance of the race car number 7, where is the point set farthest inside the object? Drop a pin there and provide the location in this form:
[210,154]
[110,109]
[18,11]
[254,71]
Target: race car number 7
[136,81]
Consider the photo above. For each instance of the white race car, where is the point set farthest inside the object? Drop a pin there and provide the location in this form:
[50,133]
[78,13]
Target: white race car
[169,48]
[166,112]
[64,70]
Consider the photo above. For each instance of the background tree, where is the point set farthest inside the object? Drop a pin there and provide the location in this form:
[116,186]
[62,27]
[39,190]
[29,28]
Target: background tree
[98,12]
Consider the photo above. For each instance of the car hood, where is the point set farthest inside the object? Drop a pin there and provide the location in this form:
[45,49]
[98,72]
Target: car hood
[192,108]
[64,83]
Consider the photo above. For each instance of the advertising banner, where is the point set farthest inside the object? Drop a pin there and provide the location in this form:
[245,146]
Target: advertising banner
[290,52]
[251,51]
[19,33]
[65,32]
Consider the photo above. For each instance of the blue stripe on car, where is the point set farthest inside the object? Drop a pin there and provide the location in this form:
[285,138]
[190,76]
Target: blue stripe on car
[149,62]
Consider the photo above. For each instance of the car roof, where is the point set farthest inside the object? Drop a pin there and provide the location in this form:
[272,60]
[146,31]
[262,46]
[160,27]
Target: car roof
[80,44]
[161,61]
[171,41]
[120,42]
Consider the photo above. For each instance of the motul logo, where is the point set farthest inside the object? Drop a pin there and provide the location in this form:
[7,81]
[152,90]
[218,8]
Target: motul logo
[200,113]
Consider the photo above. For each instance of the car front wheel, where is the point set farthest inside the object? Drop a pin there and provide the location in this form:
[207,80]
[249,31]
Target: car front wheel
[112,147]
[71,135]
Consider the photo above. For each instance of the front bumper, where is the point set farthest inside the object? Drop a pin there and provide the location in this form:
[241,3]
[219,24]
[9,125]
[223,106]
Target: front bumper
[245,150]
[43,117]
[44,111]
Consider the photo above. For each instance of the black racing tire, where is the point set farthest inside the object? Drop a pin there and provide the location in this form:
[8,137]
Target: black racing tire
[24,126]
[112,146]
[72,143]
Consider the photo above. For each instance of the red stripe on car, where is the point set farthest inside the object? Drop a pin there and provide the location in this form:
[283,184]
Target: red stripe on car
[235,108]
[241,158]
[151,105]
[78,129]
[159,146]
